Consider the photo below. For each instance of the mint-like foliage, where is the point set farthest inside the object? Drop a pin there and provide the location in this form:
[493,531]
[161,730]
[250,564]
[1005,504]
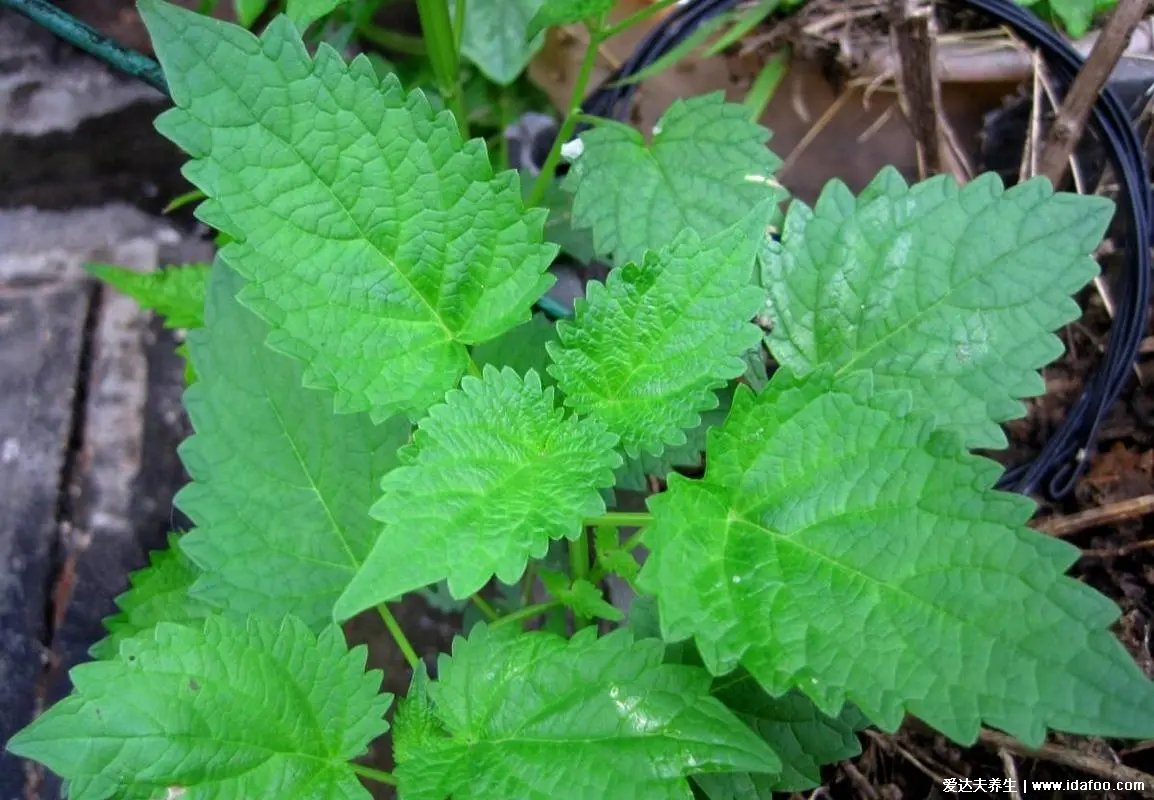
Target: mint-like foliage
[826,550]
[537,717]
[175,293]
[220,711]
[493,474]
[281,487]
[951,293]
[375,243]
[648,348]
[159,593]
[706,167]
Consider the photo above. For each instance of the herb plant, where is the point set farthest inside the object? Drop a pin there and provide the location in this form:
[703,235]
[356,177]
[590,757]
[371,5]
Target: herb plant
[376,412]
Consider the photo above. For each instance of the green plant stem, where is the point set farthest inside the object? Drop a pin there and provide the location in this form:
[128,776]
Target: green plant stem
[528,612]
[459,25]
[636,17]
[620,519]
[474,370]
[579,569]
[378,775]
[545,177]
[399,636]
[634,541]
[441,43]
[86,38]
[527,582]
[484,607]
[391,40]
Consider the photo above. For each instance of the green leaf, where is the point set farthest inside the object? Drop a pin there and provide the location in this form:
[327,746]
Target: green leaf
[281,486]
[158,593]
[565,12]
[305,12]
[705,169]
[376,244]
[611,557]
[581,596]
[842,546]
[793,727]
[648,349]
[577,243]
[492,475]
[496,38]
[949,293]
[537,717]
[522,348]
[1076,15]
[247,11]
[223,711]
[175,293]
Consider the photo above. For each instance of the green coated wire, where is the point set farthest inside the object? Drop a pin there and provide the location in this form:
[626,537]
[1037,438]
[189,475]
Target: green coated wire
[87,39]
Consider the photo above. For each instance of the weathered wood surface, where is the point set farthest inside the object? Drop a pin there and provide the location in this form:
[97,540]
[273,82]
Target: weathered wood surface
[89,423]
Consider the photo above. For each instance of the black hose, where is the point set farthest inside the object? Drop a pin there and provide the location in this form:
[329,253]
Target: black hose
[1064,458]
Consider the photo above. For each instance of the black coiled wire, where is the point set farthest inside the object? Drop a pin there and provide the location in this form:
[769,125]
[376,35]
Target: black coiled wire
[1066,455]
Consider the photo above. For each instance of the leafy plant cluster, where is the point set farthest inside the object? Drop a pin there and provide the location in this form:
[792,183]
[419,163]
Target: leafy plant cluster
[377,413]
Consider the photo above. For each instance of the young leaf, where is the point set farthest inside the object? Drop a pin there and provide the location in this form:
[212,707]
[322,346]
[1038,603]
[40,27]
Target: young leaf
[492,475]
[247,11]
[950,293]
[159,593]
[234,711]
[376,244]
[497,38]
[842,546]
[648,348]
[281,486]
[581,596]
[522,348]
[305,12]
[793,727]
[706,167]
[537,717]
[611,556]
[565,12]
[175,293]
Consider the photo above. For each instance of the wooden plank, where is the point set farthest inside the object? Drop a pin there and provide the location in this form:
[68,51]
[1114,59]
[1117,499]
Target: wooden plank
[41,335]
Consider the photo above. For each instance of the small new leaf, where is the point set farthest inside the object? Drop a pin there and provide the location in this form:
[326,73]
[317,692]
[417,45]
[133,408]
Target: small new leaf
[493,474]
[581,596]
[497,37]
[611,557]
[537,717]
[256,710]
[707,166]
[566,12]
[281,487]
[648,349]
[376,244]
[175,293]
[158,593]
[826,550]
[951,293]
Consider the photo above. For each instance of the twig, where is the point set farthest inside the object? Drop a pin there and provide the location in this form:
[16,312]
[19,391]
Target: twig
[1071,120]
[1067,757]
[1118,552]
[920,94]
[1095,517]
[860,784]
[1011,770]
[814,130]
